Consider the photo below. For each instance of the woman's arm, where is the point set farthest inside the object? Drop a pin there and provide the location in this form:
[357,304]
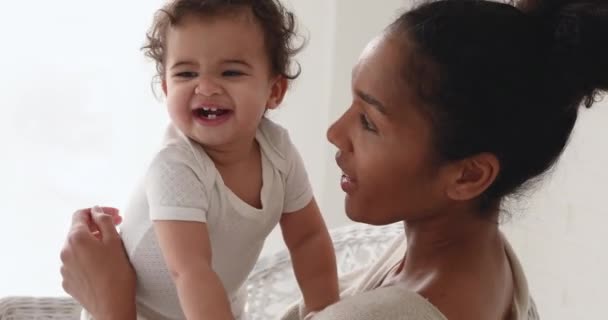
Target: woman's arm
[187,252]
[313,256]
[95,268]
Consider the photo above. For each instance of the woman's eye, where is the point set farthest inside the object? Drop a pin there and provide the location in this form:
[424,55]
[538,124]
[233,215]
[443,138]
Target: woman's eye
[366,123]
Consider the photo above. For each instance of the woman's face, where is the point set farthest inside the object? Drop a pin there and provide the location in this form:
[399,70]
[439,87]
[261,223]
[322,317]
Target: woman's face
[384,142]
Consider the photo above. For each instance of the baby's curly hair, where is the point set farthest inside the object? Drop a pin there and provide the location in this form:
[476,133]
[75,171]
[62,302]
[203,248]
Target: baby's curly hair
[278,25]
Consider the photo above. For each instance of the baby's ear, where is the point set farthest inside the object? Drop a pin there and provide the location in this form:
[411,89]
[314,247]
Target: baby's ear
[163,83]
[277,92]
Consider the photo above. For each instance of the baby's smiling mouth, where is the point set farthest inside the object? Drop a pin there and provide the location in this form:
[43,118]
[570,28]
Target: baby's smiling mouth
[210,113]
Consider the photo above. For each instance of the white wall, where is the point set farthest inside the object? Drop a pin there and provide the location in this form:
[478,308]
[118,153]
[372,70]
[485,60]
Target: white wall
[78,121]
[560,233]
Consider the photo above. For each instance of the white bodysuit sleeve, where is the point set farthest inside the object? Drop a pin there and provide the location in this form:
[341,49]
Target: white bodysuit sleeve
[174,190]
[298,192]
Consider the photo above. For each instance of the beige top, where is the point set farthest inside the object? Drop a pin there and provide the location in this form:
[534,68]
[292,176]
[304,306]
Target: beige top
[362,299]
[183,184]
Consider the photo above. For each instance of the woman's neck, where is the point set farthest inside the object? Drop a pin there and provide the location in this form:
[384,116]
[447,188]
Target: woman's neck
[437,240]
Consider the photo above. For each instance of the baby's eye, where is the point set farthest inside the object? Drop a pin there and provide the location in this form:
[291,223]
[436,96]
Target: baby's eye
[232,73]
[187,74]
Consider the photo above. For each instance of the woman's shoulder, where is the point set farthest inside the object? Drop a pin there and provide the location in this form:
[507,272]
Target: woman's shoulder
[463,290]
[393,302]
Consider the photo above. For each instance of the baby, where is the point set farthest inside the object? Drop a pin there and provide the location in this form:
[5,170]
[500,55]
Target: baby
[225,175]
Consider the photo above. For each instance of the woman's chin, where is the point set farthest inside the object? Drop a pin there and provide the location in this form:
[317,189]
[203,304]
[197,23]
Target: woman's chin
[367,215]
[356,213]
[353,217]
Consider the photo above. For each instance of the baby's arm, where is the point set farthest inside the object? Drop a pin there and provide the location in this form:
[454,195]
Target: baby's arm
[313,256]
[187,252]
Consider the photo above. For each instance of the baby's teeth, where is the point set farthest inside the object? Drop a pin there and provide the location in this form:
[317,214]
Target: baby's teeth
[213,109]
[212,116]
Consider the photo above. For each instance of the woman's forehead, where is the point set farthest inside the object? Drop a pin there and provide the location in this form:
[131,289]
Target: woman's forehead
[379,69]
[371,48]
[383,55]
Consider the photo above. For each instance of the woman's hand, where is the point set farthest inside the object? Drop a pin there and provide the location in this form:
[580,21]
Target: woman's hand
[95,267]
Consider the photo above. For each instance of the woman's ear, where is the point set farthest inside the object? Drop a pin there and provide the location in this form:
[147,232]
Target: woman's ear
[277,92]
[471,177]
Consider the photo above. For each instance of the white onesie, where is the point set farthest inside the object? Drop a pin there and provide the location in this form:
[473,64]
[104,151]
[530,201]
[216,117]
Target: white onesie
[183,184]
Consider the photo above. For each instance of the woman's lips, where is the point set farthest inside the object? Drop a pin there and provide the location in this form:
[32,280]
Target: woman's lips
[348,183]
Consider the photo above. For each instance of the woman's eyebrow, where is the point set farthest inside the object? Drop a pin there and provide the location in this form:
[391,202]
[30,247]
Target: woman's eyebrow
[371,101]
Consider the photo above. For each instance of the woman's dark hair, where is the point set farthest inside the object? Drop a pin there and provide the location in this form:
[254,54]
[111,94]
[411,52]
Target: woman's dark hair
[503,79]
[277,22]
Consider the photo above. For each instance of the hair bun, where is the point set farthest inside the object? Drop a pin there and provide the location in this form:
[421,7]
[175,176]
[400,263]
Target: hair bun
[580,41]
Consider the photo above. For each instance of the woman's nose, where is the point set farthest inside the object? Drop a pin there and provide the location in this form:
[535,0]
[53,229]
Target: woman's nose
[337,134]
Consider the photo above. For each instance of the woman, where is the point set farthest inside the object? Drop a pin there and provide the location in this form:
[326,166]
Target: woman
[457,104]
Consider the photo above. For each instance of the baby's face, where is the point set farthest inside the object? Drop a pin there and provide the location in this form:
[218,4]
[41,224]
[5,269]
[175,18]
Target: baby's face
[218,81]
